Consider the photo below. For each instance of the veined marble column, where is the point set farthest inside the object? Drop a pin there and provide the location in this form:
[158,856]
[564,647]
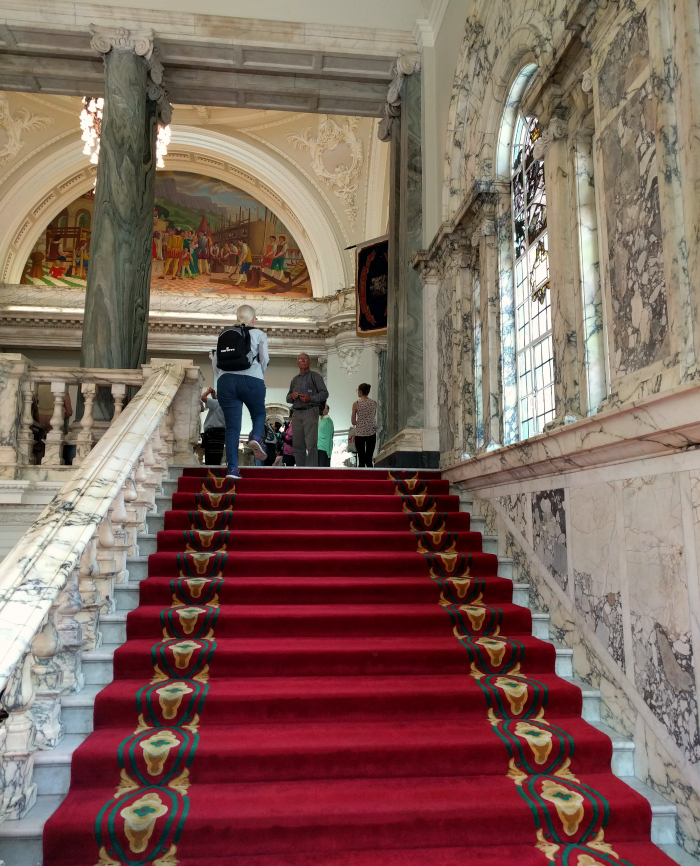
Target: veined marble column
[567,394]
[486,240]
[407,443]
[115,327]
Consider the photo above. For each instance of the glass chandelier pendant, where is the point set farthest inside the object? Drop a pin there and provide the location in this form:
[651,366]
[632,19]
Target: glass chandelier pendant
[162,142]
[91,125]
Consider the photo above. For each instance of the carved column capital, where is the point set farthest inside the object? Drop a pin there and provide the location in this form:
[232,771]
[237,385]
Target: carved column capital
[406,64]
[485,229]
[556,129]
[141,42]
[104,39]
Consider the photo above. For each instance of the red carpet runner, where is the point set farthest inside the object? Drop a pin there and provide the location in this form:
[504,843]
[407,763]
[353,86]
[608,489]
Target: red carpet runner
[325,669]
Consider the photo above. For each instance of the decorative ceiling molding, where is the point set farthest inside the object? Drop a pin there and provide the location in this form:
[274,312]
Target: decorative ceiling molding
[15,125]
[344,179]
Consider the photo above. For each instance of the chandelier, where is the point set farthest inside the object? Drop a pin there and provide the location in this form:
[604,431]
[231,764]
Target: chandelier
[91,125]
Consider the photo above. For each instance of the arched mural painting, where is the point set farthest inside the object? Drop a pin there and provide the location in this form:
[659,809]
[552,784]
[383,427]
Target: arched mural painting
[208,236]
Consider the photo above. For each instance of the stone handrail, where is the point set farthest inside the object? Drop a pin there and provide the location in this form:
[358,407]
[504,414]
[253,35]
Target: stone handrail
[61,574]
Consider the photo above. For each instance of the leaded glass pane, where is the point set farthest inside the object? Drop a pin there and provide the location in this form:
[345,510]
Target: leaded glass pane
[533,317]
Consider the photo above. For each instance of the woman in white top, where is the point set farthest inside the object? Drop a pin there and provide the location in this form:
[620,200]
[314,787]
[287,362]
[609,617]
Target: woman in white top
[364,417]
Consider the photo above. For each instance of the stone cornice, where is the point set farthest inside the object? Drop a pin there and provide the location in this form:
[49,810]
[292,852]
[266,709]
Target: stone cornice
[456,233]
[663,423]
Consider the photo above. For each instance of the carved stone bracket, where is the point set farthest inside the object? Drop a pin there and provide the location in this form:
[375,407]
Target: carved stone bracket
[106,39]
[406,64]
[555,130]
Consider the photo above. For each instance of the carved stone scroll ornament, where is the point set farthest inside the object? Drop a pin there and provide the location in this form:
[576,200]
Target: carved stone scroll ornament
[406,64]
[104,39]
[14,125]
[344,179]
[553,131]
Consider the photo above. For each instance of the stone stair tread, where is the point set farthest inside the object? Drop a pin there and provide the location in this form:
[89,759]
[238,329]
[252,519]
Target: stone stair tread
[104,653]
[619,741]
[675,852]
[113,617]
[84,698]
[588,691]
[659,805]
[32,825]
[62,754]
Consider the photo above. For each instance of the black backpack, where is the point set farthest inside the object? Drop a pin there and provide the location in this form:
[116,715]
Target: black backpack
[233,349]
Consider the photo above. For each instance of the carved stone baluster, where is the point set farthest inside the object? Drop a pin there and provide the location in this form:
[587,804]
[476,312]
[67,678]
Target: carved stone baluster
[170,434]
[53,455]
[152,481]
[86,439]
[89,616]
[121,538]
[132,523]
[71,633]
[106,563]
[17,766]
[25,437]
[143,499]
[158,467]
[47,674]
[118,395]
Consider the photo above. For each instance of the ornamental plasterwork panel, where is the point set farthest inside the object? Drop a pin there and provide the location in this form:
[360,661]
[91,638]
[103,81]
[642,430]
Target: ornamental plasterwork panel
[14,125]
[349,357]
[343,180]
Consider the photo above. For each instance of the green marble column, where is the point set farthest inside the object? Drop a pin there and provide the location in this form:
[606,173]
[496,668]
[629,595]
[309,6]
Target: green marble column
[403,380]
[115,328]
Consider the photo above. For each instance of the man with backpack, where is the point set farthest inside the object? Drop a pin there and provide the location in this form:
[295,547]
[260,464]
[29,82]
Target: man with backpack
[308,395]
[239,363]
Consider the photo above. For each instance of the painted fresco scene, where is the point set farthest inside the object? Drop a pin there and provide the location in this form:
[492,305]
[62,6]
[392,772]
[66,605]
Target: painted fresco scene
[208,236]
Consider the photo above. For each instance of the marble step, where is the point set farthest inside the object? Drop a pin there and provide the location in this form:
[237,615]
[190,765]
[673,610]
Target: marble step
[52,768]
[591,700]
[98,664]
[21,841]
[623,750]
[138,565]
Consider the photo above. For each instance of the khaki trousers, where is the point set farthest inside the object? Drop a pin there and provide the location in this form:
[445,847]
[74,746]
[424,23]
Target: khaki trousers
[305,436]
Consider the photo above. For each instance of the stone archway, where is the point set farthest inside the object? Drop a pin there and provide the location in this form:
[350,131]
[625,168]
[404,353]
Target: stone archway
[36,198]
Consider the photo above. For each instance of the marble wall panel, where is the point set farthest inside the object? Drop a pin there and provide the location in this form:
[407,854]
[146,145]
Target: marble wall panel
[659,610]
[594,548]
[549,533]
[639,320]
[625,60]
[518,508]
[445,367]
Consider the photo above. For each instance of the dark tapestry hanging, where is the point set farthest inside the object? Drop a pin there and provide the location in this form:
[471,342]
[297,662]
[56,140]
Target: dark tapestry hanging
[372,281]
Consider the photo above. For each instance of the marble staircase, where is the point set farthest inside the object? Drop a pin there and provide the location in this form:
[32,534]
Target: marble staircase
[21,841]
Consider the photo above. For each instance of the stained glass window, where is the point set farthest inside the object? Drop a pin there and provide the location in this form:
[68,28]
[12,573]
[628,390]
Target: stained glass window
[533,316]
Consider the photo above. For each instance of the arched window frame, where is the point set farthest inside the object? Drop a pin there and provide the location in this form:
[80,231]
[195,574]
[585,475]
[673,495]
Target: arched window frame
[526,362]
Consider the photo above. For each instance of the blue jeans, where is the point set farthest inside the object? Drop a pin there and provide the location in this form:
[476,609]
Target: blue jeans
[232,391]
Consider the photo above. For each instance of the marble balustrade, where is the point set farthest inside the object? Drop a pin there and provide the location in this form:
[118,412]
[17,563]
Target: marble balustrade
[60,576]
[22,379]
